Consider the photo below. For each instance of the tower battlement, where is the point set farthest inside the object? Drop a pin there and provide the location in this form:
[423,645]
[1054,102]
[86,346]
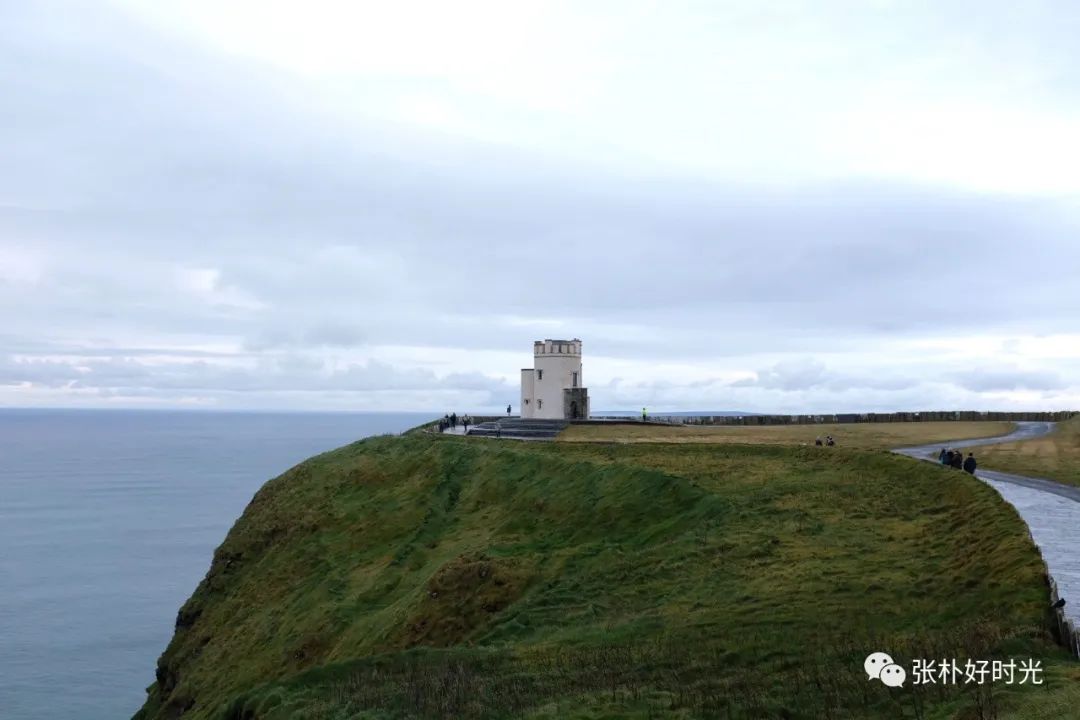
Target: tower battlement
[557,347]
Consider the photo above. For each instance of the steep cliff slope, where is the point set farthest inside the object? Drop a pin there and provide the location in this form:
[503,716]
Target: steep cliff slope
[450,577]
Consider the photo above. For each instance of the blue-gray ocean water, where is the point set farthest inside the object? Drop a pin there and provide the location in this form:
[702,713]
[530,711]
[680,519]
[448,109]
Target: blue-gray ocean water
[108,520]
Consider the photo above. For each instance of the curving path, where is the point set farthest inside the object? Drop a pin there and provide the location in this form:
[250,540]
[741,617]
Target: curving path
[1023,431]
[1050,509]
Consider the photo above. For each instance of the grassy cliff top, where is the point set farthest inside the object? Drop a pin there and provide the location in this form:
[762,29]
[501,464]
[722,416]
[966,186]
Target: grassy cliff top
[450,577]
[851,435]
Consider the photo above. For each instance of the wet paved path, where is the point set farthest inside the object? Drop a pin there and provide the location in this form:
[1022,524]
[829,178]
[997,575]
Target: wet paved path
[1051,509]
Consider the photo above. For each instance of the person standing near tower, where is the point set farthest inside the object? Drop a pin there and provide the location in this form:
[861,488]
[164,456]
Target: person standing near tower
[507,411]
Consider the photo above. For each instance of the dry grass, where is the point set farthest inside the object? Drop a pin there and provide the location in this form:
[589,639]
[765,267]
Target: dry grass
[855,435]
[1056,456]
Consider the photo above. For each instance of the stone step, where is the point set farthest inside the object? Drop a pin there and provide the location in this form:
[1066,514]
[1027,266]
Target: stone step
[513,435]
[520,429]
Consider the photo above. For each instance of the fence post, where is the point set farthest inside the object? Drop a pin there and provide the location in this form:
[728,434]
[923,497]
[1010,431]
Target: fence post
[1070,635]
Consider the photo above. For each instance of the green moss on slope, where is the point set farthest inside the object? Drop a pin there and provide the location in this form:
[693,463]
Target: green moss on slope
[396,568]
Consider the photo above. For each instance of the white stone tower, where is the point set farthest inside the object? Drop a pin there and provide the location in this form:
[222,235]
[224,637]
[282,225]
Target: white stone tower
[553,388]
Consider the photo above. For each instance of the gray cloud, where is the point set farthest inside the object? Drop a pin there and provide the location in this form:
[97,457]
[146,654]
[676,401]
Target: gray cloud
[998,379]
[788,376]
[289,373]
[809,374]
[163,199]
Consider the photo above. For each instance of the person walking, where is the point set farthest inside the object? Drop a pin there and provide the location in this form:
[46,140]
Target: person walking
[970,464]
[941,456]
[453,420]
[644,415]
[958,460]
[507,411]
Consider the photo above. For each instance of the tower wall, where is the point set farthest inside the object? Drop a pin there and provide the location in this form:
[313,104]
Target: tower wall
[557,367]
[528,399]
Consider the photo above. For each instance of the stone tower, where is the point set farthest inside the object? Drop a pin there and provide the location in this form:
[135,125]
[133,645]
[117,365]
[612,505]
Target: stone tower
[553,388]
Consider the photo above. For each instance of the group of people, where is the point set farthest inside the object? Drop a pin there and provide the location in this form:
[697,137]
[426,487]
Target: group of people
[956,459]
[828,441]
[450,422]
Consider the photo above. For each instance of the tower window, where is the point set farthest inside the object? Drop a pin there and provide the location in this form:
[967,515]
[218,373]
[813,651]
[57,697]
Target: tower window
[539,374]
[540,404]
[575,379]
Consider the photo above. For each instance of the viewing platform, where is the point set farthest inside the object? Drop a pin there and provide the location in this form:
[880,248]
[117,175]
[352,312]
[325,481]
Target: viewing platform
[520,428]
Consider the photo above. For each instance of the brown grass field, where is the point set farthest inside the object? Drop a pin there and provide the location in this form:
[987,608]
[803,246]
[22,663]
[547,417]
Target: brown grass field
[851,435]
[1056,456]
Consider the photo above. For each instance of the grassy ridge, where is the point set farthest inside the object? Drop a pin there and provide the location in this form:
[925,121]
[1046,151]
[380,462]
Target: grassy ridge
[446,577]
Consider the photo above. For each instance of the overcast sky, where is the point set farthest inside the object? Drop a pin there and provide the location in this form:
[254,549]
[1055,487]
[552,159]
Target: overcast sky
[756,205]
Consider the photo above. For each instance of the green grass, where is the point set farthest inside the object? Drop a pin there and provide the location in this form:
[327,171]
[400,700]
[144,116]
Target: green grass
[443,577]
[1056,456]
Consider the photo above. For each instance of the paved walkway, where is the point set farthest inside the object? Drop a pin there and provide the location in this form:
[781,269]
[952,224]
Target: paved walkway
[1024,431]
[1050,509]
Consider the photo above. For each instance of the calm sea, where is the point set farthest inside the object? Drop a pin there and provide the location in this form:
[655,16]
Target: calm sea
[108,520]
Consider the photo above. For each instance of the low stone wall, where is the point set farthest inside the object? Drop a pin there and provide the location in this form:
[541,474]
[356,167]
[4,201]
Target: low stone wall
[929,416]
[834,418]
[626,420]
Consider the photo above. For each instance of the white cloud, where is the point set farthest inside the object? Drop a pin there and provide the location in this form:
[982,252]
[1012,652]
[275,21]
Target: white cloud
[776,94]
[205,285]
[20,266]
[972,145]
